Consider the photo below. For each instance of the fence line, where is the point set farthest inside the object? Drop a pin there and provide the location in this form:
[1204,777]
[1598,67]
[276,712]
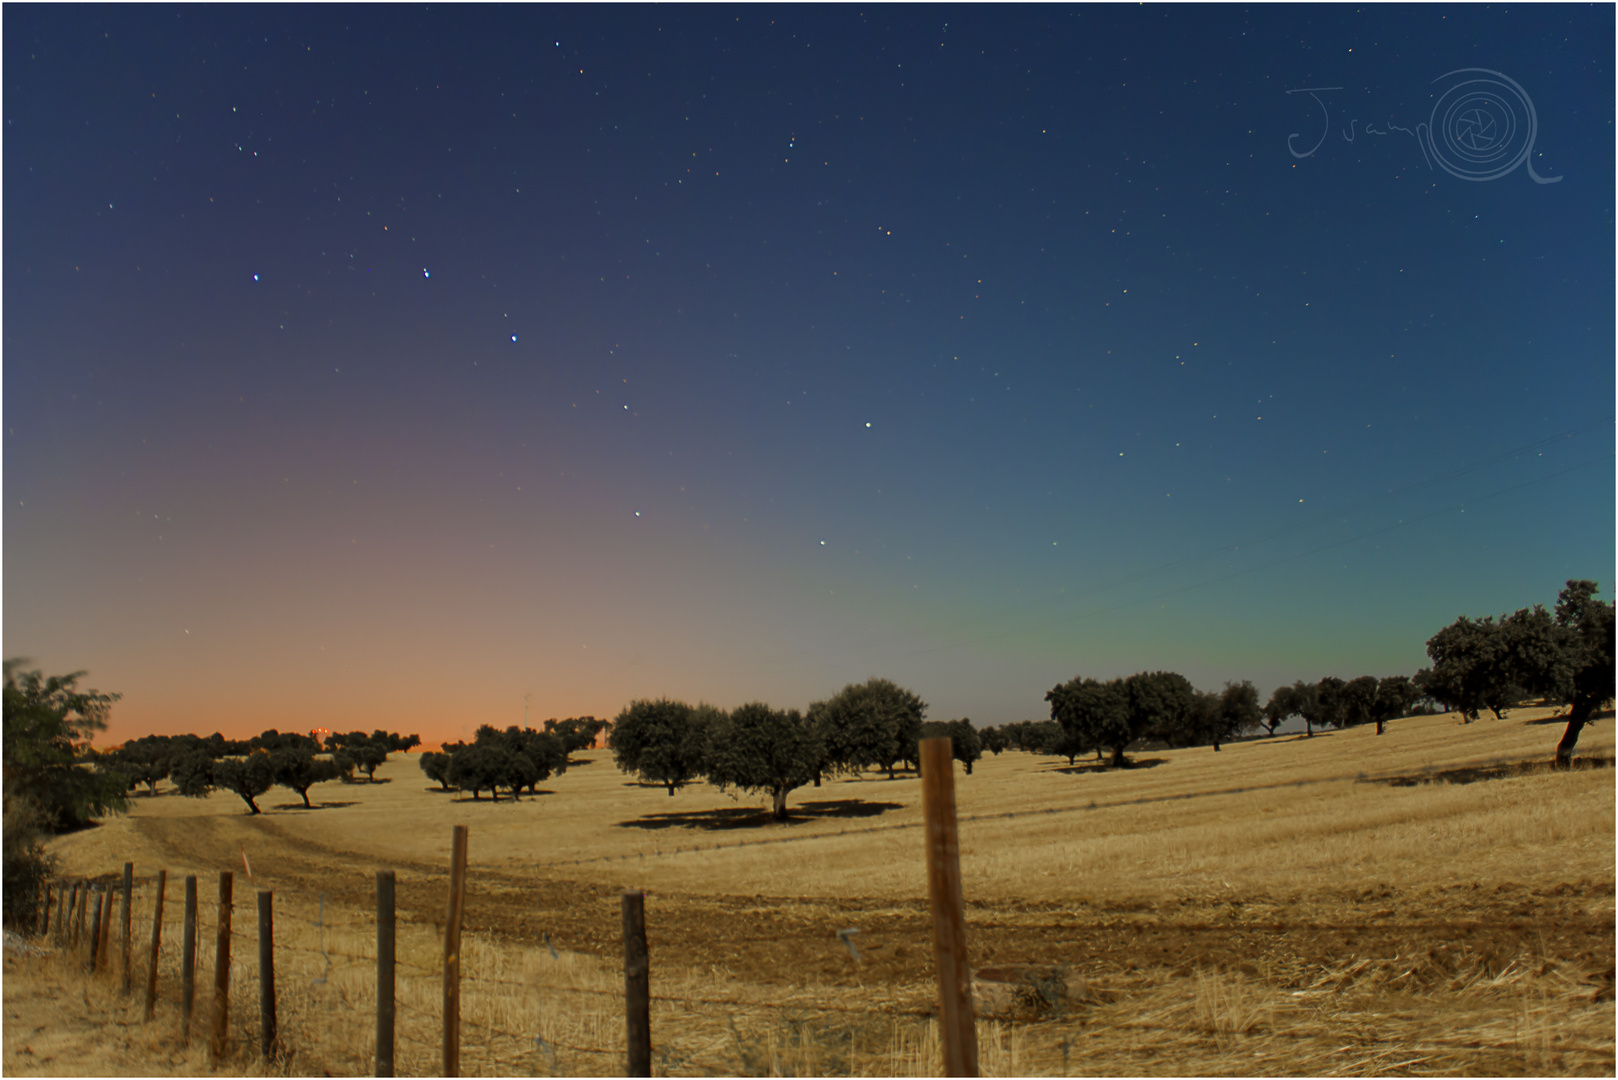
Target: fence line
[72,897]
[227,1032]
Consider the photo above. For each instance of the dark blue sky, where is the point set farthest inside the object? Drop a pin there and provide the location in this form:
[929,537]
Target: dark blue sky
[378,366]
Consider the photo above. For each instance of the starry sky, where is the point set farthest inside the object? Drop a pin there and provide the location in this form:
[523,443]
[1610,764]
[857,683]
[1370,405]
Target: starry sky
[382,366]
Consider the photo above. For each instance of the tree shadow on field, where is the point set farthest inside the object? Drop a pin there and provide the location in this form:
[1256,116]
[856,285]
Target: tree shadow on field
[1106,767]
[875,775]
[316,806]
[1562,718]
[1476,773]
[463,796]
[753,817]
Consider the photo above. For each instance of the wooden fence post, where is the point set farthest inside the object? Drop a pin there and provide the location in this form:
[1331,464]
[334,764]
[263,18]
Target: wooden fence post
[385,1007]
[157,940]
[102,957]
[104,945]
[637,985]
[956,1027]
[452,954]
[95,937]
[129,889]
[266,973]
[74,919]
[41,922]
[84,913]
[61,921]
[188,960]
[221,971]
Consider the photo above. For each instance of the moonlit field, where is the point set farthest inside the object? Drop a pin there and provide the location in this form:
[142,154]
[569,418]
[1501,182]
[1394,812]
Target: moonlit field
[627,431]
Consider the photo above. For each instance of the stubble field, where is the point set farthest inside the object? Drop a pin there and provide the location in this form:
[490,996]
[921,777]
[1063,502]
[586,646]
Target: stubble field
[1431,901]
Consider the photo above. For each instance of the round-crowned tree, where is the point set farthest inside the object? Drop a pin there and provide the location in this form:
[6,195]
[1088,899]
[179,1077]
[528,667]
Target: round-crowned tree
[872,723]
[248,777]
[757,748]
[299,770]
[662,741]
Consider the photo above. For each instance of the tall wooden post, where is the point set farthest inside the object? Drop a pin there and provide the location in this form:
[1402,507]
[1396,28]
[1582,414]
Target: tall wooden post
[84,912]
[957,1029]
[221,971]
[452,954]
[157,942]
[385,1007]
[104,939]
[79,927]
[266,973]
[74,919]
[95,936]
[188,961]
[42,917]
[129,888]
[637,985]
[64,919]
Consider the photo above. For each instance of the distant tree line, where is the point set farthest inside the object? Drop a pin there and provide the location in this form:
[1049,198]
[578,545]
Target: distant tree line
[250,767]
[1563,657]
[513,760]
[758,749]
[1108,717]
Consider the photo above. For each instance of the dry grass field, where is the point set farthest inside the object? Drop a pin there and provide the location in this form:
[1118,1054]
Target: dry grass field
[1431,901]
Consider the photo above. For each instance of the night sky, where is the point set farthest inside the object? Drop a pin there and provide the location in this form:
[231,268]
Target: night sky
[377,367]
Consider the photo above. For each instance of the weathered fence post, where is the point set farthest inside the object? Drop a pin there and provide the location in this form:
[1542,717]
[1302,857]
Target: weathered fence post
[266,973]
[956,1027]
[84,914]
[129,889]
[452,954]
[105,944]
[42,918]
[157,941]
[188,960]
[221,971]
[95,937]
[637,985]
[61,920]
[74,918]
[384,972]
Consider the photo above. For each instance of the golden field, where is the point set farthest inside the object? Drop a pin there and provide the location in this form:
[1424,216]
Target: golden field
[1428,901]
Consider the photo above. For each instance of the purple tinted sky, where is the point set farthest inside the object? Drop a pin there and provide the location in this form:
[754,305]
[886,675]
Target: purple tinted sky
[377,366]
